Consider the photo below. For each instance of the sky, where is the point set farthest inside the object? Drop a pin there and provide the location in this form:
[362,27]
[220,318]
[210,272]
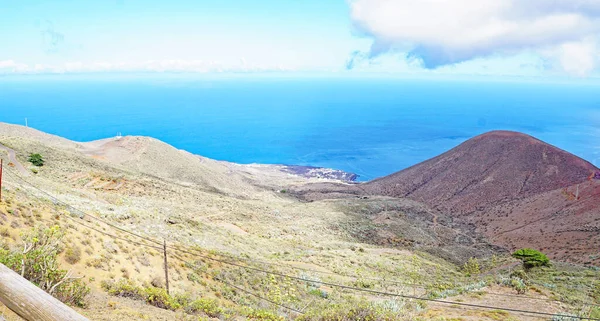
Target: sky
[539,38]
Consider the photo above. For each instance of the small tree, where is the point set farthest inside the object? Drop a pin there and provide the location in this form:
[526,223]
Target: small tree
[36,159]
[531,258]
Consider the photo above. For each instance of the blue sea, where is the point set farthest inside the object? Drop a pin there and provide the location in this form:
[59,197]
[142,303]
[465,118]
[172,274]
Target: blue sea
[372,126]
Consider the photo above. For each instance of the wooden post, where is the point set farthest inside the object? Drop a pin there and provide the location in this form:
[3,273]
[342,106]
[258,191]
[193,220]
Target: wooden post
[30,302]
[166,265]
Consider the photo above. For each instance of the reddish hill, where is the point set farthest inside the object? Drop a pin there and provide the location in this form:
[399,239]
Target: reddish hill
[484,171]
[514,189]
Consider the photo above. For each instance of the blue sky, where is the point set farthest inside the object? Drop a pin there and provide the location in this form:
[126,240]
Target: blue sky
[397,36]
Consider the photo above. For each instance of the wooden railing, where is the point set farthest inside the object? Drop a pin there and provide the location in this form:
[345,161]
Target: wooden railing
[30,302]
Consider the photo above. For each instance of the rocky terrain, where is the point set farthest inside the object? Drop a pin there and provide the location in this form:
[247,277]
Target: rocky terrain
[310,223]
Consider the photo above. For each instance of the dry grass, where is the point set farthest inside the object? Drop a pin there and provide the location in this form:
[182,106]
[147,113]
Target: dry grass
[240,213]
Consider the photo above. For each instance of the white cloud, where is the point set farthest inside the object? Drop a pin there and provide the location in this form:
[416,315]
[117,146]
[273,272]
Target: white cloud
[579,58]
[442,32]
[12,66]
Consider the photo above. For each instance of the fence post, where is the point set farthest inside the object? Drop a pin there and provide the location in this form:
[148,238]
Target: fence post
[166,265]
[30,302]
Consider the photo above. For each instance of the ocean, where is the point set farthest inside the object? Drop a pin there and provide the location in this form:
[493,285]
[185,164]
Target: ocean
[371,126]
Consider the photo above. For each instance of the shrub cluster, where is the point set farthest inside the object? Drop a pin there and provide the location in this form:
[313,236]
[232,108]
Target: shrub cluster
[36,260]
[36,159]
[206,306]
[160,298]
[73,254]
[471,267]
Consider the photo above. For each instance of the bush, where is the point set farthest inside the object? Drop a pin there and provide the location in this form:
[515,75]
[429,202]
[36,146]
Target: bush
[36,260]
[518,284]
[153,296]
[123,288]
[36,159]
[471,267]
[73,254]
[194,277]
[73,292]
[206,306]
[160,299]
[531,258]
[263,315]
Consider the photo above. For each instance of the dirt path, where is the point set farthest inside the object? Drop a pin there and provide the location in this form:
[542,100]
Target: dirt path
[12,158]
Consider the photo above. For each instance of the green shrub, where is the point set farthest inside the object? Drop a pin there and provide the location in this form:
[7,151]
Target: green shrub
[263,315]
[520,274]
[73,292]
[518,284]
[36,260]
[531,258]
[206,306]
[471,267]
[36,159]
[153,296]
[123,288]
[160,299]
[318,292]
[360,283]
[194,277]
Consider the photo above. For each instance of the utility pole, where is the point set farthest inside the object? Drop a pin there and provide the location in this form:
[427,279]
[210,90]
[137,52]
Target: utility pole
[166,265]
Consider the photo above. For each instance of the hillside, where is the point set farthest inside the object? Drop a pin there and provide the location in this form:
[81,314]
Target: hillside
[516,190]
[248,214]
[486,170]
[564,223]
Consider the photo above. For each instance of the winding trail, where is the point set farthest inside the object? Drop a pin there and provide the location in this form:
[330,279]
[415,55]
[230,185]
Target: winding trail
[12,158]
